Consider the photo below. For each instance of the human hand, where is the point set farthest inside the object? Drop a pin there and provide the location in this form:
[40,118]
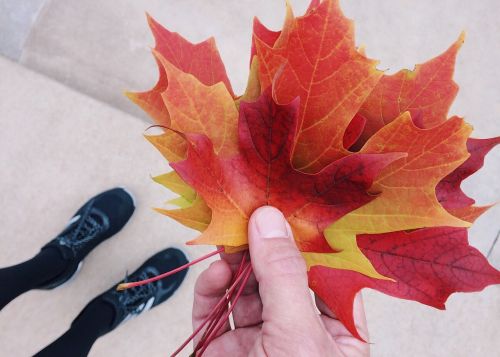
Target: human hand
[275,315]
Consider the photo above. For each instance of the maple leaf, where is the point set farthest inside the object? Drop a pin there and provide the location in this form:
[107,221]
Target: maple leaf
[193,211]
[213,113]
[201,60]
[432,154]
[172,147]
[426,265]
[315,58]
[262,174]
[448,191]
[426,92]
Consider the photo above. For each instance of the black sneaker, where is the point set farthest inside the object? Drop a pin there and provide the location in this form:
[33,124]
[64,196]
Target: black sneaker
[131,302]
[100,218]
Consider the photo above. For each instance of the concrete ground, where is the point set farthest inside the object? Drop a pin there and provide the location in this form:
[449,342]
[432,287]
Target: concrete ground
[66,138]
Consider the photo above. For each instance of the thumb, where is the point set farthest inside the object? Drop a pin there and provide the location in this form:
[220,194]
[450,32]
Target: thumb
[279,268]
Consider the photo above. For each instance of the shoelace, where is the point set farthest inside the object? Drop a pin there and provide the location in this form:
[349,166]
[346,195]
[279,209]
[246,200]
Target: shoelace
[90,225]
[134,300]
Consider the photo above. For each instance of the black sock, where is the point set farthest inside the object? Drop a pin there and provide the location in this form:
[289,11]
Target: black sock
[93,322]
[18,279]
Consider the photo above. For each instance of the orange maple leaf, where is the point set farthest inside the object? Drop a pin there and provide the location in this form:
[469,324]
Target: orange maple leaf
[202,60]
[426,92]
[315,59]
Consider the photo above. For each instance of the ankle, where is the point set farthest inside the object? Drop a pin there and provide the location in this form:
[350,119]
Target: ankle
[97,317]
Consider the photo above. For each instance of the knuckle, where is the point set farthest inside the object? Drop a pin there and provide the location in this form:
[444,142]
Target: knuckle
[286,261]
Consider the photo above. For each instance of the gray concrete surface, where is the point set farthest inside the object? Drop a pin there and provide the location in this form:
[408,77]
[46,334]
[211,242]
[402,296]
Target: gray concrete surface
[16,19]
[58,147]
[102,47]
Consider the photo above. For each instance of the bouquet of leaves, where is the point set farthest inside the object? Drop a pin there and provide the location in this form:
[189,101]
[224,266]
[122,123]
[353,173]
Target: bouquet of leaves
[366,167]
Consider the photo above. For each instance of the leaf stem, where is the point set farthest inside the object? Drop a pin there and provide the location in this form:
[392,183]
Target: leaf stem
[221,309]
[246,273]
[215,311]
[124,286]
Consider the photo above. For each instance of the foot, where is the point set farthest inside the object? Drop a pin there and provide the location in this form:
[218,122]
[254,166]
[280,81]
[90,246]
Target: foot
[98,219]
[134,301]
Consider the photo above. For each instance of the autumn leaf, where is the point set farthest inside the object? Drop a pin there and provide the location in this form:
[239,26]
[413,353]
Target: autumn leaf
[174,183]
[263,34]
[448,190]
[262,174]
[272,39]
[193,211]
[194,214]
[427,92]
[426,265]
[202,60]
[214,114]
[172,147]
[320,64]
[407,198]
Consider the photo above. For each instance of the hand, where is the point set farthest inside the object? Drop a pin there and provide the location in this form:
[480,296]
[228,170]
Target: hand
[275,315]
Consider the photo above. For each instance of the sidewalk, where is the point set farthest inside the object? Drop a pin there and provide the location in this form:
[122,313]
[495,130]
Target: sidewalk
[57,149]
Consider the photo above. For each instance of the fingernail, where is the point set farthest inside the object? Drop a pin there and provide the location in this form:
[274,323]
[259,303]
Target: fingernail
[271,223]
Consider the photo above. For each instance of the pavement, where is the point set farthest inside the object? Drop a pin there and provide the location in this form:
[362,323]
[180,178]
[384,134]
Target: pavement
[68,132]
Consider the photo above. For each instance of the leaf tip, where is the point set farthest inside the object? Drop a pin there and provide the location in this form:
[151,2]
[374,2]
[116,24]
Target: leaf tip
[455,47]
[132,96]
[461,38]
[151,22]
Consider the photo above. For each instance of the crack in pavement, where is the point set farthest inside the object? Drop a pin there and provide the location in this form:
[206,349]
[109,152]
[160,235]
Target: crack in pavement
[495,241]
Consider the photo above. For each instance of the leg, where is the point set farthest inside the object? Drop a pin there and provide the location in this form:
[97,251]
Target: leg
[110,309]
[20,278]
[59,260]
[93,322]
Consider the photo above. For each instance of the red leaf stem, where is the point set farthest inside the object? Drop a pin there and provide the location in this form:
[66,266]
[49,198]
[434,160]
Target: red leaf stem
[212,314]
[124,286]
[223,308]
[246,273]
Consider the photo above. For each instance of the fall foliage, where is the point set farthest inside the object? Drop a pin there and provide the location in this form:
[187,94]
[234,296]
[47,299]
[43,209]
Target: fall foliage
[365,166]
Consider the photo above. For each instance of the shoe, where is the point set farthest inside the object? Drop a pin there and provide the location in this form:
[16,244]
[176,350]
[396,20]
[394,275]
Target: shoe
[131,302]
[98,219]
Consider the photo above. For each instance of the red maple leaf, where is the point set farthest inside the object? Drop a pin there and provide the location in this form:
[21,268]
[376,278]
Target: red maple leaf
[262,174]
[448,191]
[427,265]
